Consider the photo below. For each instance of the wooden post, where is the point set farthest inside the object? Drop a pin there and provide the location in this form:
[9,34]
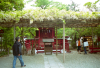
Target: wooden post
[63,42]
[23,39]
[8,51]
[39,38]
[1,43]
[56,42]
[52,33]
[14,33]
[92,36]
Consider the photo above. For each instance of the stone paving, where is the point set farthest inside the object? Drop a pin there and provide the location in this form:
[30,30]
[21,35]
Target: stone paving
[72,60]
[51,61]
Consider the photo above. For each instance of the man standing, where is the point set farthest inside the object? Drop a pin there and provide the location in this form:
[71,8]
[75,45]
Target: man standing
[17,53]
[79,46]
[84,40]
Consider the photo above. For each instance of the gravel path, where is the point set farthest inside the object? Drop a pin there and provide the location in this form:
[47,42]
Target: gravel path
[75,60]
[72,60]
[36,61]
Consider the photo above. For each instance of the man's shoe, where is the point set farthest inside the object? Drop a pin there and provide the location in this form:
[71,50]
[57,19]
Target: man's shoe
[23,66]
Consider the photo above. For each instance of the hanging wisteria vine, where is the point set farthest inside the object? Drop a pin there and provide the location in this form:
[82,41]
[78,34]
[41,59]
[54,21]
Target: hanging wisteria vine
[46,14]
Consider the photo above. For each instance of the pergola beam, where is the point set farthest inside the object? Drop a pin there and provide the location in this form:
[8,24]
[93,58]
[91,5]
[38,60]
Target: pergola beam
[50,24]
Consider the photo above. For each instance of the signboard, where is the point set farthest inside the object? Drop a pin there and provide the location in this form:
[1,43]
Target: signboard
[48,40]
[1,31]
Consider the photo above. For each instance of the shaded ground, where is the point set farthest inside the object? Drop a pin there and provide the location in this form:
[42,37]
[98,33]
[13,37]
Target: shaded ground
[72,60]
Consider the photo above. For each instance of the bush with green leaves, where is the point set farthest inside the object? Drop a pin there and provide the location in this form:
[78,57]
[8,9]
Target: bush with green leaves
[3,53]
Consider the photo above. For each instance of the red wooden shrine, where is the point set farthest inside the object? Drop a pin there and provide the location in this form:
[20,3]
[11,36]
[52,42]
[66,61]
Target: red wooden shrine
[46,33]
[95,48]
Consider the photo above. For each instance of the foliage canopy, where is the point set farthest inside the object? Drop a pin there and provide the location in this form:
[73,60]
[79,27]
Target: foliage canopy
[7,5]
[92,6]
[42,3]
[59,5]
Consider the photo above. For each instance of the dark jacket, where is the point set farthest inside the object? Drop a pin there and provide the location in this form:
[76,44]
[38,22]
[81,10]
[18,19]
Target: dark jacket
[84,40]
[17,48]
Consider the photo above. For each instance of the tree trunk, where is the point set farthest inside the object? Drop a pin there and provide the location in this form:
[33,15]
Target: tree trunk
[34,42]
[75,37]
[1,43]
[6,47]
